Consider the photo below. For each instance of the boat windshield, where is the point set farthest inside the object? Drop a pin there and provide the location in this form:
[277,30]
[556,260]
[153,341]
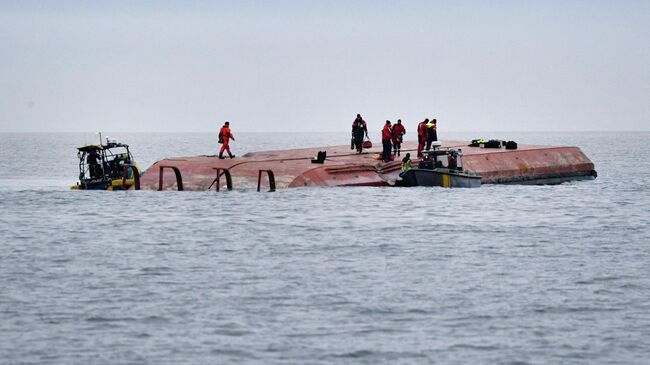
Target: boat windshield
[449,159]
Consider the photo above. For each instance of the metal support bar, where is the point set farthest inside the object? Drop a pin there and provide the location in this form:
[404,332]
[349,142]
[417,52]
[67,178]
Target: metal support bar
[271,179]
[136,176]
[218,178]
[179,178]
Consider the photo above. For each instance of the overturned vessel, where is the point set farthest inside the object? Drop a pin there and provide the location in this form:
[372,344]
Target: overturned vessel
[528,164]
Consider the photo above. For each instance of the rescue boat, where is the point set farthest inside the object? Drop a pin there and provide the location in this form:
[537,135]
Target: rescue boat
[439,167]
[439,177]
[106,166]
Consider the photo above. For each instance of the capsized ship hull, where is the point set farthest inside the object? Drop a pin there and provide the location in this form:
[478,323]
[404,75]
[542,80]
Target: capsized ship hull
[343,167]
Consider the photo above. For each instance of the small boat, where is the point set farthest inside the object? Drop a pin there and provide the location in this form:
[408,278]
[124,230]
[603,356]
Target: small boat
[439,177]
[440,168]
[106,166]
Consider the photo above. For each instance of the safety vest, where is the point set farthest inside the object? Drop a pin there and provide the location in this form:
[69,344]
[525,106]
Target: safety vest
[359,126]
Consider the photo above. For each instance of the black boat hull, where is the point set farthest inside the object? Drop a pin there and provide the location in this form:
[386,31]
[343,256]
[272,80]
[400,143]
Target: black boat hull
[439,177]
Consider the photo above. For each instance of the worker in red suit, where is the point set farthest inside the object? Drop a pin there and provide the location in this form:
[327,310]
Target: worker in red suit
[422,135]
[398,136]
[225,135]
[386,135]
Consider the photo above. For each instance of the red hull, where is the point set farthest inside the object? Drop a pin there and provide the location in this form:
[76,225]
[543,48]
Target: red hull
[343,167]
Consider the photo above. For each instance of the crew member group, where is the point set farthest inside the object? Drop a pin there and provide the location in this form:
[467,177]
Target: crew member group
[392,136]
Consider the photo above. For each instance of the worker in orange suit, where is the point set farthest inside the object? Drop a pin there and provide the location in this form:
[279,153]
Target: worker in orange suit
[225,135]
[422,135]
[386,134]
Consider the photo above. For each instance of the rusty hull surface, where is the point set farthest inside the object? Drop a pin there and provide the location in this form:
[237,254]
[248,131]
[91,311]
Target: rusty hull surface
[344,167]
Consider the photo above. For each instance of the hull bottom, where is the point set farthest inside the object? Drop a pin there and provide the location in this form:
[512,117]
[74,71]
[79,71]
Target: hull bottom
[543,180]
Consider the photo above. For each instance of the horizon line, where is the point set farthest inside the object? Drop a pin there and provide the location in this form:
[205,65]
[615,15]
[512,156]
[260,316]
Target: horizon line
[339,131]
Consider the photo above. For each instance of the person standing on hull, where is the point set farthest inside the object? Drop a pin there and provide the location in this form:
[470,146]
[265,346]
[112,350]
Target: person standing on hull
[422,135]
[432,135]
[359,129]
[225,135]
[398,136]
[386,134]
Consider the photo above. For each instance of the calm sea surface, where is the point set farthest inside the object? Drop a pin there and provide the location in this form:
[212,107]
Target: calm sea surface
[499,274]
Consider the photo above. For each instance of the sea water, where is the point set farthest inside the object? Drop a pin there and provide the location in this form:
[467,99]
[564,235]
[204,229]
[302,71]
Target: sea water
[499,274]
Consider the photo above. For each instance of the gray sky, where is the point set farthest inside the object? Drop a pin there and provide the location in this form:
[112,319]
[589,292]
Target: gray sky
[142,66]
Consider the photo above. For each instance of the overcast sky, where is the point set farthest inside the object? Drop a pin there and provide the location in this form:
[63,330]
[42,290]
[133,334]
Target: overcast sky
[142,66]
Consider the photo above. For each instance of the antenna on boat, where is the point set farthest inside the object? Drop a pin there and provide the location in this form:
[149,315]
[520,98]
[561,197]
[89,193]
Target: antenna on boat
[100,138]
